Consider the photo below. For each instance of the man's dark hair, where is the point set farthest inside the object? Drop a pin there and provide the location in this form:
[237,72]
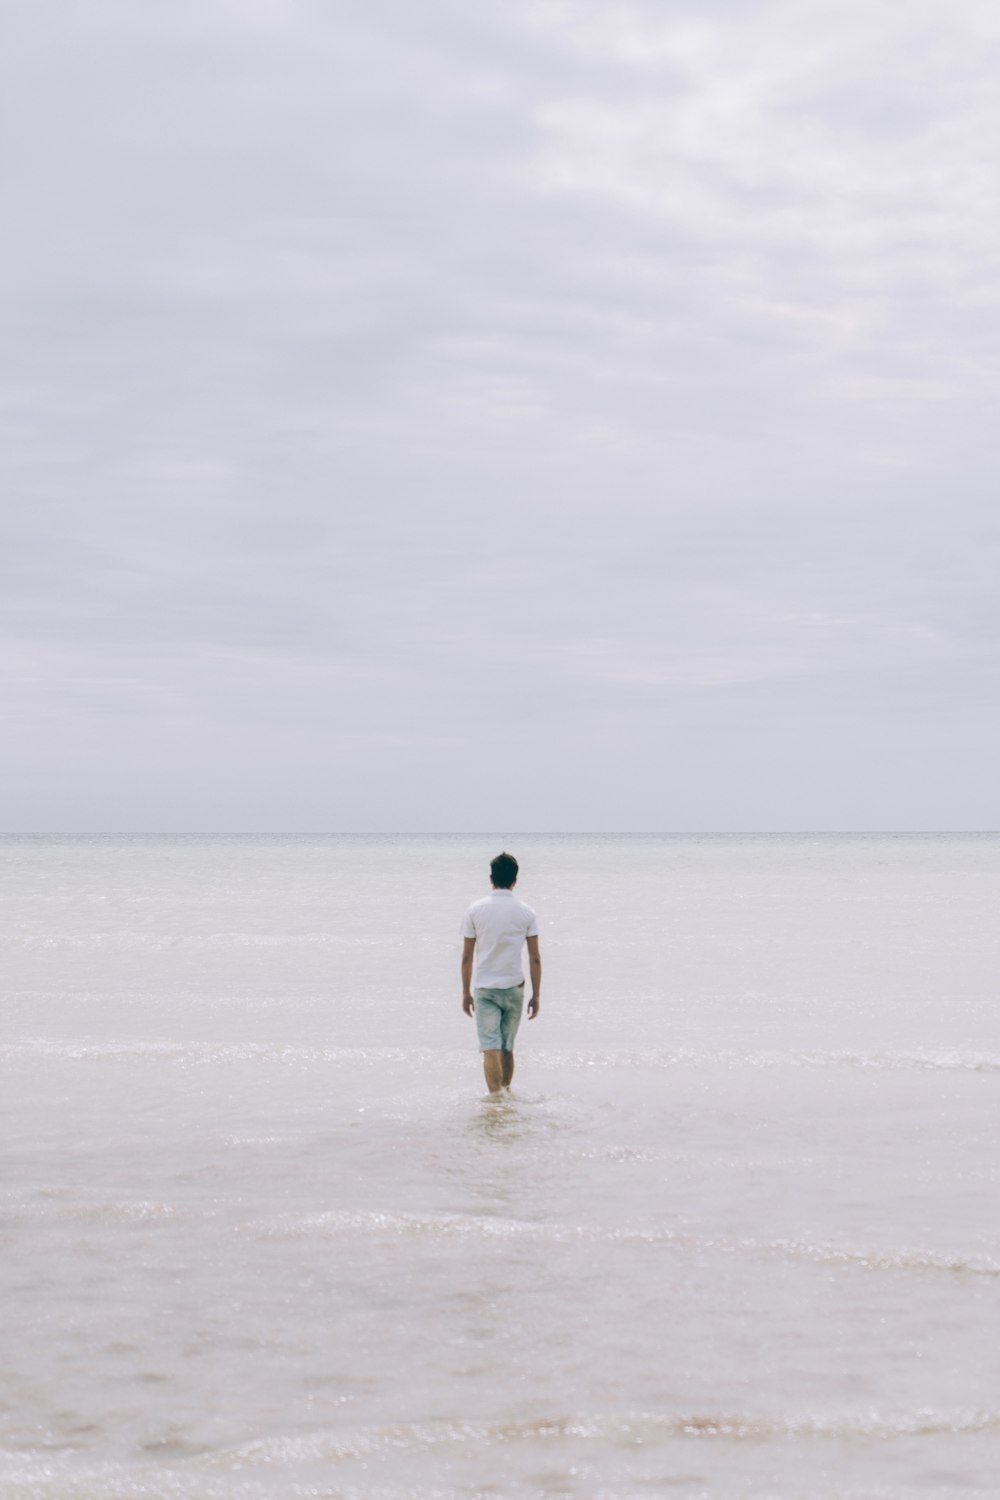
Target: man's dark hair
[503,871]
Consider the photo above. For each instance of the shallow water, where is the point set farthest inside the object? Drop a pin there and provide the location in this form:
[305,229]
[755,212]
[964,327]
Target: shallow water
[734,1233]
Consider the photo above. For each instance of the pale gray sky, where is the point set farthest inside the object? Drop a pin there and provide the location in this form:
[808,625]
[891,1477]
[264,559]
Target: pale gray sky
[549,415]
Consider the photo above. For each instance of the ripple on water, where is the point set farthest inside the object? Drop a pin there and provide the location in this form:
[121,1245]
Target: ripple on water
[572,1444]
[188,1053]
[350,1223]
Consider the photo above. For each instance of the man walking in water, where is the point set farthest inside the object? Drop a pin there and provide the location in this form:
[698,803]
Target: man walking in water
[495,930]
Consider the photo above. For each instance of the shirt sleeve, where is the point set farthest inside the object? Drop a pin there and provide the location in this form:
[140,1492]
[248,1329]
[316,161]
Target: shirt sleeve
[532,923]
[468,926]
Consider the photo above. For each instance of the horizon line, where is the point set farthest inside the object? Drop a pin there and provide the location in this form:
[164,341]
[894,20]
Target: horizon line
[499,833]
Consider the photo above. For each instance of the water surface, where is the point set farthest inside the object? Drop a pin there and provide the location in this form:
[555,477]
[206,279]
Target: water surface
[734,1233]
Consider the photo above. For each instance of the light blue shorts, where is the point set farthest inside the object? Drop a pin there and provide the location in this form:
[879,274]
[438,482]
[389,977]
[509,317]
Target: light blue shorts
[498,1015]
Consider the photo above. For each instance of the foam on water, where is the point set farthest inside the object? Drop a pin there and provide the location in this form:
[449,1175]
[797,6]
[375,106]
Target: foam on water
[632,1429]
[251,1469]
[210,1054]
[164,942]
[351,1224]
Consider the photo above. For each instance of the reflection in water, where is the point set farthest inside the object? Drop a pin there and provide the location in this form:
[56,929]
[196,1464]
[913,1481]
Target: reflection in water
[498,1118]
[503,1150]
[515,1117]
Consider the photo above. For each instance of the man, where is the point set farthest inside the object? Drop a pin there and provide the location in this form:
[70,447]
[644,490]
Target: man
[495,930]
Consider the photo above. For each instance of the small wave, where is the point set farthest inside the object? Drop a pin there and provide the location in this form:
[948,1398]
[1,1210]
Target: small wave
[158,942]
[872,1260]
[338,1223]
[125,1211]
[303,1056]
[197,1474]
[58,1476]
[624,1431]
[928,1059]
[345,1223]
[202,1053]
[366,1223]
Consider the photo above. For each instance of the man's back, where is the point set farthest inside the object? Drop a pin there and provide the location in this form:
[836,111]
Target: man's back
[500,923]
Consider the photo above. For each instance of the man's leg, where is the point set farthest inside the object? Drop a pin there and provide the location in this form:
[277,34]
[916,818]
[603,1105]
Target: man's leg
[493,1068]
[513,1002]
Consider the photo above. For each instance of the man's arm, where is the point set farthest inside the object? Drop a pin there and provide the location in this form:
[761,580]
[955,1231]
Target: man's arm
[468,947]
[535,966]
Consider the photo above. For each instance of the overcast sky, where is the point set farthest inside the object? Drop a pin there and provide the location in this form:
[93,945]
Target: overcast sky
[461,415]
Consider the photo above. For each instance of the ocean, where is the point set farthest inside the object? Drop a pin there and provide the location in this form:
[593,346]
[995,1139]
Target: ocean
[734,1233]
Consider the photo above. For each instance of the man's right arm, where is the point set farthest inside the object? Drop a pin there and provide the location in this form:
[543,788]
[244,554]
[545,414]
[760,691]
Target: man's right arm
[535,967]
[468,948]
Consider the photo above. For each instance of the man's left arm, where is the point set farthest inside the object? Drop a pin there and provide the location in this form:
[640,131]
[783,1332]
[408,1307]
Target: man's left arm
[535,967]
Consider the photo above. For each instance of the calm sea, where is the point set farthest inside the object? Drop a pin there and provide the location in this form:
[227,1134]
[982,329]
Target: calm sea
[736,1232]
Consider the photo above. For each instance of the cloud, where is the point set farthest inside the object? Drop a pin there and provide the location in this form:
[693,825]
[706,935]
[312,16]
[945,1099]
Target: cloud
[411,418]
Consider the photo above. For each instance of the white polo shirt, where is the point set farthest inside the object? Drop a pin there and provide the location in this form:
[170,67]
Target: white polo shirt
[499,923]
